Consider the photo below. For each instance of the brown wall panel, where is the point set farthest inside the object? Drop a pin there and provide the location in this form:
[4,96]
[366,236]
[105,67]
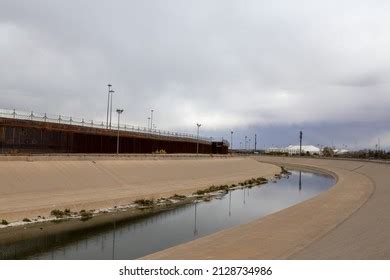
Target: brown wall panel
[20,136]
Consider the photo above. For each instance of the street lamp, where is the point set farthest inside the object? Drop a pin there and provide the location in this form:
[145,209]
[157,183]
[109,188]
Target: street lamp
[119,111]
[151,119]
[197,137]
[255,142]
[148,123]
[231,140]
[300,142]
[108,103]
[246,142]
[111,91]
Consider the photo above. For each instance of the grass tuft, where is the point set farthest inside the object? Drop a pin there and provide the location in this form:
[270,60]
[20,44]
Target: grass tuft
[247,183]
[178,197]
[85,215]
[57,213]
[144,202]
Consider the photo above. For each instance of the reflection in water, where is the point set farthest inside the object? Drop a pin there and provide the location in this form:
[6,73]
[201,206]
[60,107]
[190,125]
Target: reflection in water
[136,238]
[300,180]
[113,241]
[195,229]
[230,203]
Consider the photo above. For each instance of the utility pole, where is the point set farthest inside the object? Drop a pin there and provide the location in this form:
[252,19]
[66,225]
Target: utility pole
[119,111]
[255,141]
[111,91]
[108,103]
[197,138]
[151,119]
[231,140]
[300,143]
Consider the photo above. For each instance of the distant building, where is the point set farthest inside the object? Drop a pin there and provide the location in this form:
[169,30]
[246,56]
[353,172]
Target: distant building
[340,151]
[294,150]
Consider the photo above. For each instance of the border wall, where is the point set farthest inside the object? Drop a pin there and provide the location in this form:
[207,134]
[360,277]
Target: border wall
[31,137]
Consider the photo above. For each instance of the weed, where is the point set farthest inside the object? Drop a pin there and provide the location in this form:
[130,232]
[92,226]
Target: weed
[212,189]
[162,152]
[85,215]
[144,202]
[57,213]
[247,183]
[4,222]
[26,220]
[285,171]
[178,197]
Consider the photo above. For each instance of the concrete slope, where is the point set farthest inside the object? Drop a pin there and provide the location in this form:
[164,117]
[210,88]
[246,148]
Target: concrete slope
[32,188]
[343,222]
[366,234]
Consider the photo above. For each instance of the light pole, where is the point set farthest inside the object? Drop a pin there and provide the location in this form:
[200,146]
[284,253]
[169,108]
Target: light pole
[255,142]
[231,140]
[148,123]
[111,91]
[151,119]
[300,143]
[108,103]
[245,142]
[197,138]
[119,111]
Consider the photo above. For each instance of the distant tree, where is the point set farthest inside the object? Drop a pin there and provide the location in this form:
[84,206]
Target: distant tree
[328,152]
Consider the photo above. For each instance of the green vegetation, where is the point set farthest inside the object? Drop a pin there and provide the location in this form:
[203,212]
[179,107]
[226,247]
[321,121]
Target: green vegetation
[253,182]
[161,152]
[4,222]
[26,220]
[247,183]
[144,202]
[60,214]
[212,189]
[57,213]
[178,197]
[285,171]
[85,215]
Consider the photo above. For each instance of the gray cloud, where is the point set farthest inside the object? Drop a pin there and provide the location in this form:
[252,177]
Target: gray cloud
[235,65]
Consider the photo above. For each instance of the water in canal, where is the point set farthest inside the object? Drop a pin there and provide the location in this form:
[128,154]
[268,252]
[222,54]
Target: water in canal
[136,238]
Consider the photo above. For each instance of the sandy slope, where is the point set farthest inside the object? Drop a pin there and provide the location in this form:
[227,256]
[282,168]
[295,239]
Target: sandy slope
[32,188]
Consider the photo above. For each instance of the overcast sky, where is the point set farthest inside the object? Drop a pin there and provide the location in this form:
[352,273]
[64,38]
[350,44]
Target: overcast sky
[265,67]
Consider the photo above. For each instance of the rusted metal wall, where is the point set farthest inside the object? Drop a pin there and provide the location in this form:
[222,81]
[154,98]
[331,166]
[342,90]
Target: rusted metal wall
[21,136]
[219,148]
